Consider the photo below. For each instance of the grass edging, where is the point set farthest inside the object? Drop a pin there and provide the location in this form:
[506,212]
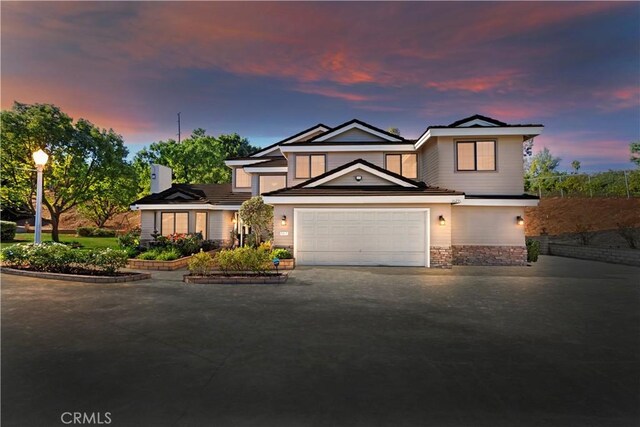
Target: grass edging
[77,277]
[236,280]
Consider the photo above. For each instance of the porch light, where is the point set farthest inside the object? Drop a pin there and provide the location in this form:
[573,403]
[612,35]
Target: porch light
[519,220]
[234,220]
[283,221]
[441,220]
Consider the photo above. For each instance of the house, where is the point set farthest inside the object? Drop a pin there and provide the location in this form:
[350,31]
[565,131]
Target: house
[355,194]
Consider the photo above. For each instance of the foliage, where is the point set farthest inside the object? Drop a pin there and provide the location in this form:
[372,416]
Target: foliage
[199,158]
[394,130]
[168,255]
[59,258]
[630,233]
[257,215]
[201,264]
[68,239]
[151,254]
[533,250]
[541,170]
[281,254]
[634,147]
[81,156]
[575,165]
[95,232]
[7,230]
[243,259]
[112,195]
[129,239]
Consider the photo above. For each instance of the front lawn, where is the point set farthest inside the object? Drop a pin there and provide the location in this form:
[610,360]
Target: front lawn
[86,242]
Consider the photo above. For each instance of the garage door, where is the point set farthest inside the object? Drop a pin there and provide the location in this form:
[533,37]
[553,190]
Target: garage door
[396,237]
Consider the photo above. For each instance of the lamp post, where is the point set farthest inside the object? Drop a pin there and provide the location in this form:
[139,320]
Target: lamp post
[40,158]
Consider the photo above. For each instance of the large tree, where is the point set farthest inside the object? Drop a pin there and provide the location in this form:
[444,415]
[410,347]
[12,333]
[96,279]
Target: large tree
[80,157]
[541,171]
[197,159]
[634,147]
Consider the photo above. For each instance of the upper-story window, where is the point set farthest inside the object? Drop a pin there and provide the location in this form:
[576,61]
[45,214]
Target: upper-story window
[403,164]
[310,165]
[243,179]
[272,182]
[476,155]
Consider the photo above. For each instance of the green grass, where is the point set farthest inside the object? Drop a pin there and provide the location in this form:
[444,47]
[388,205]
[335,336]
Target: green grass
[86,242]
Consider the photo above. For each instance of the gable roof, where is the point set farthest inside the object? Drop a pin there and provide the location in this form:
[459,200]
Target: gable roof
[212,194]
[480,121]
[293,138]
[358,124]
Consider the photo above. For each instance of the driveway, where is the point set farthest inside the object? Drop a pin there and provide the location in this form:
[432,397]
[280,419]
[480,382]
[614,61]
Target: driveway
[556,344]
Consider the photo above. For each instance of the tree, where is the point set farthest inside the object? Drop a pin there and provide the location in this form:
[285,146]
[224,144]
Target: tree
[575,165]
[257,215]
[542,170]
[527,152]
[634,147]
[394,131]
[80,157]
[197,159]
[112,195]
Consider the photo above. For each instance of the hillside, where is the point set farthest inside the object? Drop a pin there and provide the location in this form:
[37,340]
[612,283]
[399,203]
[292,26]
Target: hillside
[563,215]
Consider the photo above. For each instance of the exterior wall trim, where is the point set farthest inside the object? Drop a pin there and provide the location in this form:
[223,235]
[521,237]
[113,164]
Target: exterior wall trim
[499,202]
[258,169]
[298,200]
[186,207]
[347,148]
[474,131]
[364,168]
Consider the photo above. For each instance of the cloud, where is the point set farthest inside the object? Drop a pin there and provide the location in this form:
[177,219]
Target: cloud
[339,93]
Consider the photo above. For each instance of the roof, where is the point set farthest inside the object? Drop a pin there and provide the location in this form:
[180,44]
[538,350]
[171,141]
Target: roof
[286,139]
[491,120]
[323,143]
[502,196]
[213,194]
[363,124]
[274,162]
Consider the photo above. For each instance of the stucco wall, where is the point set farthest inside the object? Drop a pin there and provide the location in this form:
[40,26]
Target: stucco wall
[486,226]
[506,179]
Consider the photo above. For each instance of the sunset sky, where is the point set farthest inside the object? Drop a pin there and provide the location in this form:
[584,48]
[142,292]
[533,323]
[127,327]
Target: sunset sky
[268,70]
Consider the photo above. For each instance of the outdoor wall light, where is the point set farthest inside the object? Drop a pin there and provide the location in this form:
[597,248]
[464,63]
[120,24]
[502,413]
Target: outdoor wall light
[283,221]
[441,220]
[358,178]
[234,220]
[153,176]
[519,220]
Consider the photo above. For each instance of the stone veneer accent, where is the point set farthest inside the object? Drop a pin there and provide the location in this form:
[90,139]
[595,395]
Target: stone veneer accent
[441,256]
[489,255]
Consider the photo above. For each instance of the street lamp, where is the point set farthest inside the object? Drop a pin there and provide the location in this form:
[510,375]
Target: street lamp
[40,158]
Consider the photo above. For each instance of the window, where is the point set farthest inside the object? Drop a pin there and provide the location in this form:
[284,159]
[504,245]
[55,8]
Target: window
[310,166]
[201,224]
[272,182]
[476,155]
[174,222]
[403,164]
[243,179]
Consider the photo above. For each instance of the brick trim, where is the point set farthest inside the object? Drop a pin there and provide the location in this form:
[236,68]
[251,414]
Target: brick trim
[441,256]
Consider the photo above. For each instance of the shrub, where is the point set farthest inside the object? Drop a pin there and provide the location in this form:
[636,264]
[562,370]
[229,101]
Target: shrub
[107,260]
[243,259]
[281,254]
[187,244]
[168,255]
[85,231]
[130,239]
[209,245]
[201,264]
[131,251]
[103,232]
[7,230]
[59,258]
[150,254]
[533,250]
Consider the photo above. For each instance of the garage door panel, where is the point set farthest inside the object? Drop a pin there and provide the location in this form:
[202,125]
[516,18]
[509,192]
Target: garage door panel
[360,237]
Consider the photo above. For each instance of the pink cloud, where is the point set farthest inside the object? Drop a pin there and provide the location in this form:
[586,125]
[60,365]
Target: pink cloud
[333,93]
[502,80]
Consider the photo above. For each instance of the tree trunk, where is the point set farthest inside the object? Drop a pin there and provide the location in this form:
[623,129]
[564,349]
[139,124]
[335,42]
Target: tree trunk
[55,222]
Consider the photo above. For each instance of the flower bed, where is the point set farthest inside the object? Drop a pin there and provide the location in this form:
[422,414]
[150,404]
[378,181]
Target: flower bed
[87,278]
[237,279]
[154,264]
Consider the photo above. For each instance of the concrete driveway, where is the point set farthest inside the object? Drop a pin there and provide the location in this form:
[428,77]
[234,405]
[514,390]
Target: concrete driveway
[556,344]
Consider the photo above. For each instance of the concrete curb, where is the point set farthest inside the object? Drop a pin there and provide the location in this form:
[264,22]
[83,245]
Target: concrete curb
[221,279]
[77,277]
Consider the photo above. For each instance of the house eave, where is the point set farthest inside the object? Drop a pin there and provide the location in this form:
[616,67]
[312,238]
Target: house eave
[360,200]
[528,131]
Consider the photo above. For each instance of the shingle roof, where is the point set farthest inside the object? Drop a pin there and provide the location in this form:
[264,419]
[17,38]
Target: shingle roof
[274,163]
[495,122]
[365,124]
[213,194]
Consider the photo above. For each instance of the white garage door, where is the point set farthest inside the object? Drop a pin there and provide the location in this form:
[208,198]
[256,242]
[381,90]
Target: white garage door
[395,237]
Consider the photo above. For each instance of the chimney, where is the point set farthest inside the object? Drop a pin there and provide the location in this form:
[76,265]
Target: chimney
[160,178]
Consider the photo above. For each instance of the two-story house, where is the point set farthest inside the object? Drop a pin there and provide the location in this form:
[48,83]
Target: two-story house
[355,194]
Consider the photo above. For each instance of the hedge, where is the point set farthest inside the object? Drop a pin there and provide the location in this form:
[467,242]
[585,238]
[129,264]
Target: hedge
[7,230]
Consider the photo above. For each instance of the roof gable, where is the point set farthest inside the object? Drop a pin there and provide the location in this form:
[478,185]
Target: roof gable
[360,165]
[478,121]
[356,130]
[304,135]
